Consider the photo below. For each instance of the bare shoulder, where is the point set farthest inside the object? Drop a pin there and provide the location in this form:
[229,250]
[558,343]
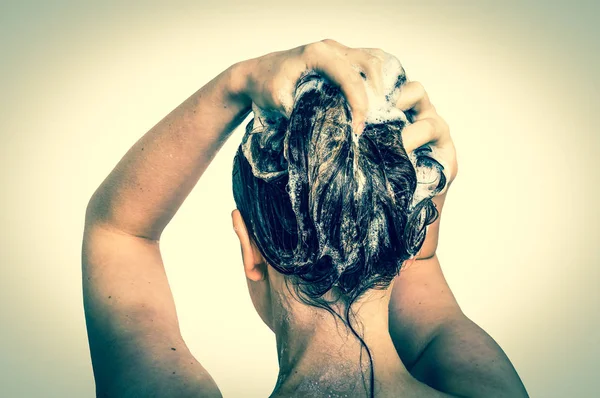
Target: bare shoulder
[161,377]
[462,352]
[440,345]
[135,342]
[420,304]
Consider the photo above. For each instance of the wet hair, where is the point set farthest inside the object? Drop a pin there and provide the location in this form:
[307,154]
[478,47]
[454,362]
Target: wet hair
[331,210]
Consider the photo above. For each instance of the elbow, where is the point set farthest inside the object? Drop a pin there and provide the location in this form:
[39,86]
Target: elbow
[97,210]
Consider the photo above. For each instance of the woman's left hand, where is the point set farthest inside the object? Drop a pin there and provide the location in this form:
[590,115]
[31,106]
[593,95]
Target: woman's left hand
[272,78]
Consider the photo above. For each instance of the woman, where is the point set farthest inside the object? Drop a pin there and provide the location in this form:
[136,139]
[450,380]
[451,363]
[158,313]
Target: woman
[328,213]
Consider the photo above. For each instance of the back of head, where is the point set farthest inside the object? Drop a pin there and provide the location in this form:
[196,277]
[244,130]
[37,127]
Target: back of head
[331,210]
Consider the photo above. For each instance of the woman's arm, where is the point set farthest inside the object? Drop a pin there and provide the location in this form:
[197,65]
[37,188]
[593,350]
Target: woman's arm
[147,187]
[135,342]
[435,340]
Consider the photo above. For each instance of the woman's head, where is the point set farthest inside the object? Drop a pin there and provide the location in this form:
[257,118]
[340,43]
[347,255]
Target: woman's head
[332,211]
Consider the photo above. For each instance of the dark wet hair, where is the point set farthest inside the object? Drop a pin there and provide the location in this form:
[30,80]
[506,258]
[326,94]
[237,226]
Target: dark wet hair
[326,209]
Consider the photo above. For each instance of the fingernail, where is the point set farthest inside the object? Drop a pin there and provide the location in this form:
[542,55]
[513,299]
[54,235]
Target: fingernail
[287,105]
[287,111]
[358,129]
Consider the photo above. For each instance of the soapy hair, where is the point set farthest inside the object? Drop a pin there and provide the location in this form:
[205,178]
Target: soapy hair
[331,210]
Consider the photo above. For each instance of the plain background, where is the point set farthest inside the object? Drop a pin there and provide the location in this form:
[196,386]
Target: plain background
[516,81]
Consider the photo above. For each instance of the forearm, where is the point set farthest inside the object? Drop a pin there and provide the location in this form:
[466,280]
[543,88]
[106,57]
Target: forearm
[463,360]
[149,184]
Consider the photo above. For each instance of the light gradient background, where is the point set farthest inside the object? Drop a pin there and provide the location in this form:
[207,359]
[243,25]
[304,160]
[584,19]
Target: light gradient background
[516,81]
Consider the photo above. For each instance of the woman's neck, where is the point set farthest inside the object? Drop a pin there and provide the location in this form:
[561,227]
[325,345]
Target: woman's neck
[318,354]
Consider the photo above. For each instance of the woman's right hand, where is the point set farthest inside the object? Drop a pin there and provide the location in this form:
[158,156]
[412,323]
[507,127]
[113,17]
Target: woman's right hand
[428,128]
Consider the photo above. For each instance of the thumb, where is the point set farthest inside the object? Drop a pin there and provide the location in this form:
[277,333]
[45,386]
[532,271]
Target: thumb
[285,99]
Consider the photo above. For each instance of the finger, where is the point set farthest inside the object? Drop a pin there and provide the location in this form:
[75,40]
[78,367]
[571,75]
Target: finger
[413,96]
[335,43]
[420,133]
[339,72]
[370,61]
[285,95]
[283,86]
